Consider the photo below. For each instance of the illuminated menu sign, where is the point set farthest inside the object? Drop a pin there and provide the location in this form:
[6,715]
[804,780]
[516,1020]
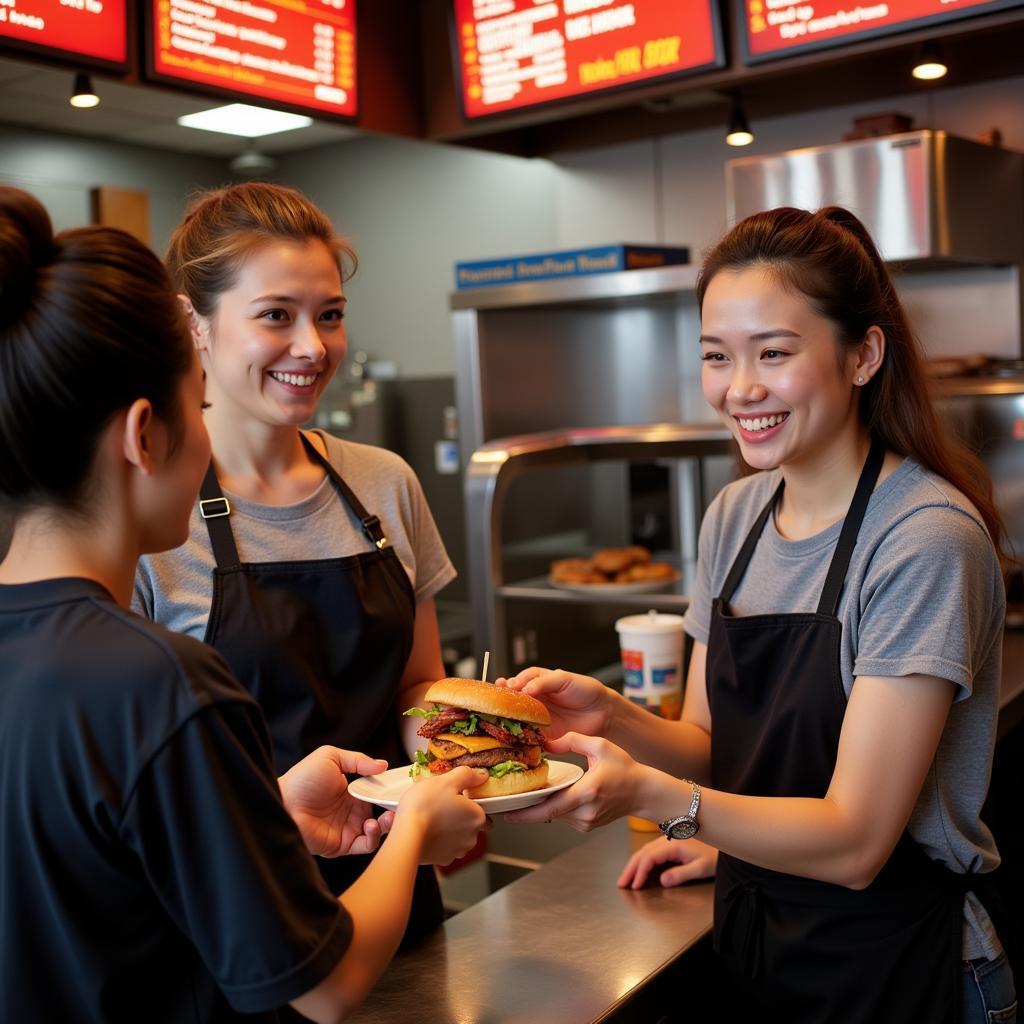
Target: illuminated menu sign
[294,53]
[519,53]
[68,29]
[777,28]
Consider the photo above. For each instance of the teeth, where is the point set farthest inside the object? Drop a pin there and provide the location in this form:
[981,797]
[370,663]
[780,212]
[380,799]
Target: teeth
[762,422]
[298,379]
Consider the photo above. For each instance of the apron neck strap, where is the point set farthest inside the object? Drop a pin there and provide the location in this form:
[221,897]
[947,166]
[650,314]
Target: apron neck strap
[739,565]
[829,602]
[836,577]
[215,510]
[370,523]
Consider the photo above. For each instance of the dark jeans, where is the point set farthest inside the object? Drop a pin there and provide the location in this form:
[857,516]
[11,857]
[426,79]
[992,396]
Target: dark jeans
[989,995]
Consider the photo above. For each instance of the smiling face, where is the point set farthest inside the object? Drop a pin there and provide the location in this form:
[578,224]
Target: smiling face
[775,370]
[277,336]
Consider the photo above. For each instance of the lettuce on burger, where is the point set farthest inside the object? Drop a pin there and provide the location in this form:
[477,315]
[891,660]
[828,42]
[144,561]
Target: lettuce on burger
[484,726]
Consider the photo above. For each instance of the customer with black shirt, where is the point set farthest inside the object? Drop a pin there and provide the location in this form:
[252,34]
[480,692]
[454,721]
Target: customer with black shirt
[150,864]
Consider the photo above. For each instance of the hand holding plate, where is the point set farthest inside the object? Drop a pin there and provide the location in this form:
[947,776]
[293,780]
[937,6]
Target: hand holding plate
[332,821]
[607,791]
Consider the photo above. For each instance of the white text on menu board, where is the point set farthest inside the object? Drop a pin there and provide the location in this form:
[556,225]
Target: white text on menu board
[794,20]
[514,47]
[196,28]
[9,13]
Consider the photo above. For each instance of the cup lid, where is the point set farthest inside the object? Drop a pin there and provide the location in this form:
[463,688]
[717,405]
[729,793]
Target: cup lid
[652,622]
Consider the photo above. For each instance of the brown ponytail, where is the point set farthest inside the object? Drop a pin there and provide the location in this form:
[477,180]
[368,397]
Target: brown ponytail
[829,257]
[223,226]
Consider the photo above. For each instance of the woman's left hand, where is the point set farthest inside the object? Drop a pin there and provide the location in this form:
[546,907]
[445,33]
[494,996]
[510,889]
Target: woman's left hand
[332,822]
[607,791]
[690,860]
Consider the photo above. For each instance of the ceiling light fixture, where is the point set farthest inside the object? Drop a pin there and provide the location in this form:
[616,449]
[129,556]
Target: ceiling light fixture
[242,119]
[251,163]
[739,133]
[82,92]
[931,65]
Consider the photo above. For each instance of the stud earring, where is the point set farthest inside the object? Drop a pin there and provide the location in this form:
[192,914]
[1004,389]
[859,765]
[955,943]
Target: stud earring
[860,380]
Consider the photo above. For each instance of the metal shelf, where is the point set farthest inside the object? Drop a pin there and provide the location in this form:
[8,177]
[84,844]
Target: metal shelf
[538,588]
[494,465]
[603,289]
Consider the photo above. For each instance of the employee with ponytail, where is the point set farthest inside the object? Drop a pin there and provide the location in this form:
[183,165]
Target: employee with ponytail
[152,866]
[841,703]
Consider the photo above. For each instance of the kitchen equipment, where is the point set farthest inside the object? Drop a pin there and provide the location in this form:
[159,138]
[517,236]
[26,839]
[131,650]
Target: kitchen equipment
[925,196]
[987,411]
[584,354]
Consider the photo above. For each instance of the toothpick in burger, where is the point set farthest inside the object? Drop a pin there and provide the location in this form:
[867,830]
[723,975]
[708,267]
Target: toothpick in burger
[474,723]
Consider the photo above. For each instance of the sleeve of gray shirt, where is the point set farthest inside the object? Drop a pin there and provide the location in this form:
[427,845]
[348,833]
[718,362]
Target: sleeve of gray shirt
[697,619]
[142,595]
[927,599]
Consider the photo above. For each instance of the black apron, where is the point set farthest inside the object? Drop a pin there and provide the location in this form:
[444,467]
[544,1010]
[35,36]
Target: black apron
[804,951]
[321,644]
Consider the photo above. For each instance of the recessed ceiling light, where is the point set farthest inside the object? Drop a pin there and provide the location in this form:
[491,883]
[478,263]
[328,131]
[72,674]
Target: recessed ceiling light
[739,133]
[82,92]
[241,119]
[930,66]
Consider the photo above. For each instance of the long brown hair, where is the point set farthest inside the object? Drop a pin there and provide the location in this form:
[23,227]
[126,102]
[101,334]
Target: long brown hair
[829,257]
[223,226]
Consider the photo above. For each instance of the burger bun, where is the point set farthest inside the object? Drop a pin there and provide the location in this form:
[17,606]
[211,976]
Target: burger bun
[476,695]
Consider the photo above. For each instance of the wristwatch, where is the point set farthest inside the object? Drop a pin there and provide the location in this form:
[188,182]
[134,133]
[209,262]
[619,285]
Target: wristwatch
[686,825]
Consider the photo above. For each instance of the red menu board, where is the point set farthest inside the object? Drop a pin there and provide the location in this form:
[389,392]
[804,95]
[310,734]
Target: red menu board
[777,28]
[68,29]
[293,53]
[520,53]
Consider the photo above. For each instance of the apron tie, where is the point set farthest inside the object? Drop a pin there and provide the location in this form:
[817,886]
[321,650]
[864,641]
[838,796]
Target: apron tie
[743,926]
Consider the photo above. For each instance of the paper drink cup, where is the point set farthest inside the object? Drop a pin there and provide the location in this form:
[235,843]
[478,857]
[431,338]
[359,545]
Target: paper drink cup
[652,660]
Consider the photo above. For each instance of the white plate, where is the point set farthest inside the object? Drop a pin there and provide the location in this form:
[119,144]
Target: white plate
[635,587]
[386,789]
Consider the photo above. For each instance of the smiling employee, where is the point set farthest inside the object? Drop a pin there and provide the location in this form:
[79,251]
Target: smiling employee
[311,563]
[842,694]
[152,867]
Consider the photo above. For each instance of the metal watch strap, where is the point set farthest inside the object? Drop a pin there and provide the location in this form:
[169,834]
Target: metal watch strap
[690,815]
[694,801]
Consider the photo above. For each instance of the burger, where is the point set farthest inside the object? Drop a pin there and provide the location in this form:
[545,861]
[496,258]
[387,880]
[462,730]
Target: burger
[474,723]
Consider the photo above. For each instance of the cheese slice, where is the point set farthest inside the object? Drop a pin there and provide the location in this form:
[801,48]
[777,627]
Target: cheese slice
[473,744]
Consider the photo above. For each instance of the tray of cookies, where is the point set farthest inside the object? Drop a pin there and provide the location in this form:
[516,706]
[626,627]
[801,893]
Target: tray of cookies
[626,570]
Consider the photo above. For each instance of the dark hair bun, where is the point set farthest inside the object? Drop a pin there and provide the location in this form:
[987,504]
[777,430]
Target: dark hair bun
[89,323]
[26,244]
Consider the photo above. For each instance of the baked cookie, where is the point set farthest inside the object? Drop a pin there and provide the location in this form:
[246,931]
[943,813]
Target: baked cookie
[615,560]
[647,571]
[570,567]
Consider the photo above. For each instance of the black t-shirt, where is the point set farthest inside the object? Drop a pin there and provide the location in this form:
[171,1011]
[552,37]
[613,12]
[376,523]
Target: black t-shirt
[148,871]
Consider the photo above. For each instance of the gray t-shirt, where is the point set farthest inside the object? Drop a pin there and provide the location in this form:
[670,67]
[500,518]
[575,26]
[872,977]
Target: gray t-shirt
[176,587]
[923,595]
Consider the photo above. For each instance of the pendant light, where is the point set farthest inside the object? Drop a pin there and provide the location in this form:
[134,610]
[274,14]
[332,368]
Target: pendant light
[930,65]
[82,93]
[739,133]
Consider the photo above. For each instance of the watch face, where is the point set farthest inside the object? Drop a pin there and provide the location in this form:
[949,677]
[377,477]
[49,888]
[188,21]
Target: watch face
[685,829]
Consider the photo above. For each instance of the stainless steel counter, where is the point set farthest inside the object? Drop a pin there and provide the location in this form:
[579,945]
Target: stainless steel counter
[561,946]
